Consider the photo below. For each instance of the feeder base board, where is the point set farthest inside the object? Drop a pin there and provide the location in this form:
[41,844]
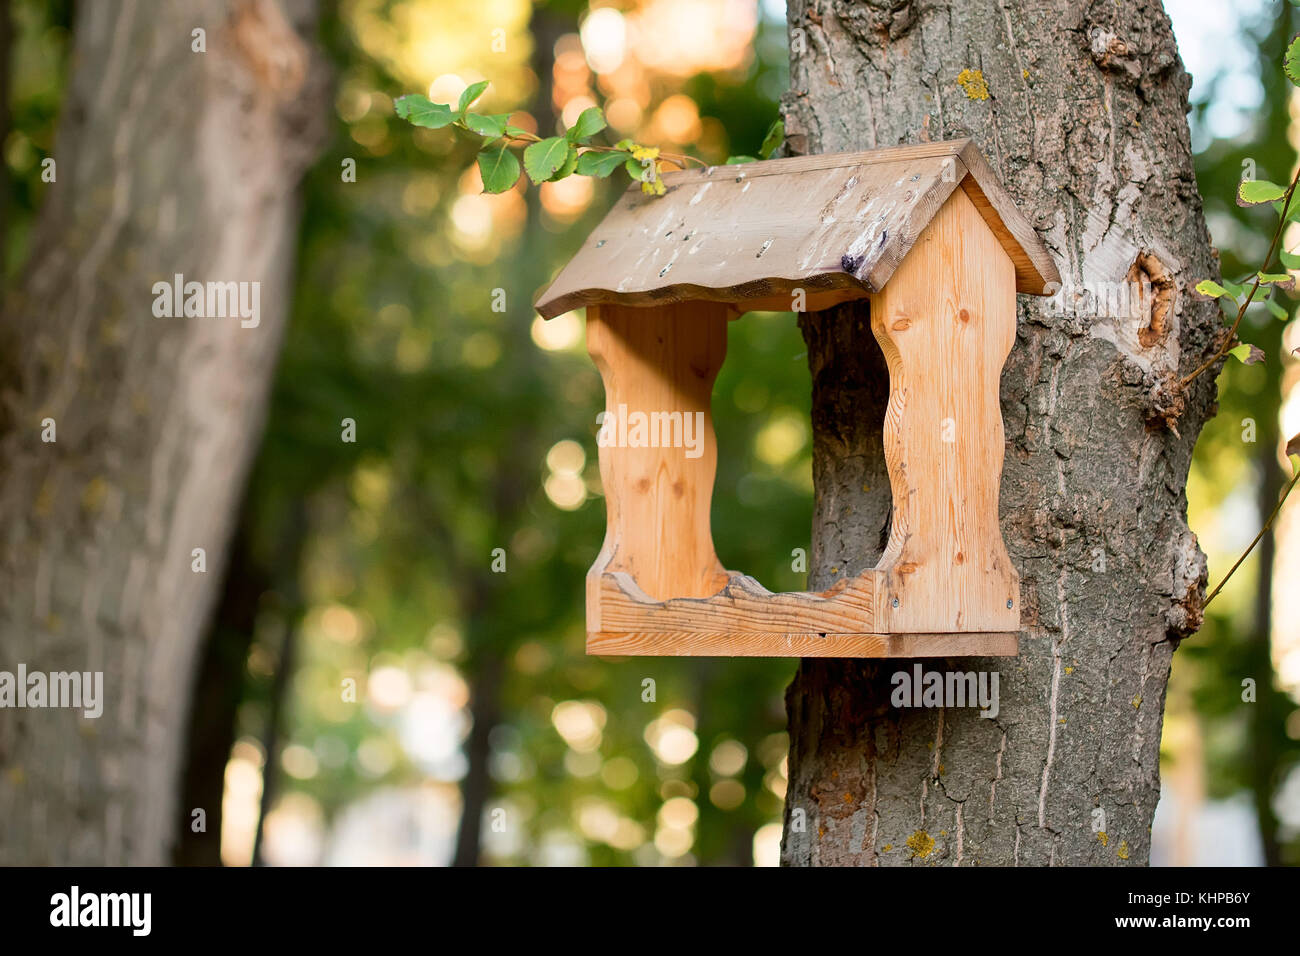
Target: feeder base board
[741,644]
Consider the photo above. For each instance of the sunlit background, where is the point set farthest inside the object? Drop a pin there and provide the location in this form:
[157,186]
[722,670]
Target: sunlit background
[391,697]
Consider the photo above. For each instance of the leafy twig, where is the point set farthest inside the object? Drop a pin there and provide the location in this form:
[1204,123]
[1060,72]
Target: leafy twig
[1254,193]
[1214,290]
[547,159]
[1293,450]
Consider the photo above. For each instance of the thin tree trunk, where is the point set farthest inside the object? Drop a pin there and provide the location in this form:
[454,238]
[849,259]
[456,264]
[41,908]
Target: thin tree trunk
[217,692]
[1271,706]
[488,646]
[476,787]
[291,542]
[1267,760]
[1080,108]
[170,161]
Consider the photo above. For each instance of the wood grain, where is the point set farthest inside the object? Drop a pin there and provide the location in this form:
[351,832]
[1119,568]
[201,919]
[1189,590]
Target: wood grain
[946,324]
[834,226]
[944,586]
[657,499]
[747,644]
[1036,273]
[742,605]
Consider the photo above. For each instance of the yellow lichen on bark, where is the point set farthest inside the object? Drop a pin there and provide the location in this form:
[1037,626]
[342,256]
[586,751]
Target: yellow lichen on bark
[973,84]
[920,843]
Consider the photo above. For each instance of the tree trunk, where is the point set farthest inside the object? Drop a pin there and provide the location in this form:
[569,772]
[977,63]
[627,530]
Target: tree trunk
[1083,120]
[486,668]
[170,160]
[216,694]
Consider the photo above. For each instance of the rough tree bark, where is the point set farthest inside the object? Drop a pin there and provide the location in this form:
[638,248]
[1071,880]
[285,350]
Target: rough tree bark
[1080,107]
[169,160]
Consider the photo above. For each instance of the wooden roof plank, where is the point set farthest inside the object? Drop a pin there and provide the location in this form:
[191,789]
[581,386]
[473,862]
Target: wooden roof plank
[1035,269]
[836,223]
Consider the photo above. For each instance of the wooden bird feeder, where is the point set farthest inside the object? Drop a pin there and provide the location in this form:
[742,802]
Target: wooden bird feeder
[928,236]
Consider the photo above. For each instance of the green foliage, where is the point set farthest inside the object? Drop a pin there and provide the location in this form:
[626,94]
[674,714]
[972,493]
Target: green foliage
[1247,748]
[418,111]
[1252,193]
[600,165]
[499,168]
[1212,289]
[1246,354]
[543,158]
[554,157]
[490,127]
[774,139]
[1256,192]
[38,58]
[390,322]
[591,122]
[1291,62]
[1236,290]
[1283,280]
[444,437]
[470,94]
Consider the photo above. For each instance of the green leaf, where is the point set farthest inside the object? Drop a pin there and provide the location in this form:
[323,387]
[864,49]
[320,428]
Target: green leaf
[591,122]
[1276,310]
[1238,292]
[544,157]
[493,127]
[1291,62]
[472,92]
[1247,354]
[636,170]
[737,160]
[1256,192]
[600,164]
[499,167]
[624,144]
[419,111]
[1289,259]
[1292,214]
[570,161]
[774,139]
[1284,280]
[1211,289]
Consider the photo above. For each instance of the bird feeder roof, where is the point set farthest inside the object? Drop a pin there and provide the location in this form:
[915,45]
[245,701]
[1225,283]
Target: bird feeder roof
[836,224]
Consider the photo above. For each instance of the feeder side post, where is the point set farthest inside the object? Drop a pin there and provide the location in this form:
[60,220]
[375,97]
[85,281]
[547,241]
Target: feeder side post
[658,451]
[946,322]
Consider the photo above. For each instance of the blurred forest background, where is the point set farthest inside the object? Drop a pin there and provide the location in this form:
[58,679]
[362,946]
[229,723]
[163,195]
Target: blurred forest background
[481,733]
